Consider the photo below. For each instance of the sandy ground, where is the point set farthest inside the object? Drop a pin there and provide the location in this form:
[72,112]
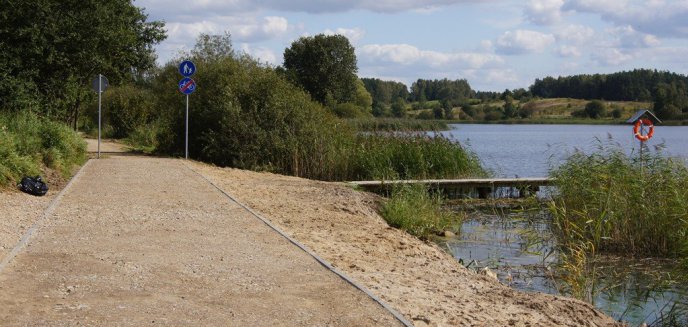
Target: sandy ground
[146,241]
[18,212]
[127,247]
[417,279]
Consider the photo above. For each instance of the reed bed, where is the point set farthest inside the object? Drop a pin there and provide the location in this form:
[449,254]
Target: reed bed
[623,204]
[396,124]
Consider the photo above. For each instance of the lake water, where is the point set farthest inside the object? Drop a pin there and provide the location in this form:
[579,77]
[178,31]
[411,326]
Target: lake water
[520,248]
[530,150]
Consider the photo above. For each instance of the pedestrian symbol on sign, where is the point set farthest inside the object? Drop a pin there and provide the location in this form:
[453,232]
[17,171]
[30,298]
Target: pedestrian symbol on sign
[187,68]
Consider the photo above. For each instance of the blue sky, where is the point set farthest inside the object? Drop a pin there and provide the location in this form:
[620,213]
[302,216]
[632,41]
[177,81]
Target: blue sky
[494,44]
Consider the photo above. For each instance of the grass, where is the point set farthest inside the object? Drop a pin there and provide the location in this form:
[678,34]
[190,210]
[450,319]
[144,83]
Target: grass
[415,210]
[623,204]
[28,144]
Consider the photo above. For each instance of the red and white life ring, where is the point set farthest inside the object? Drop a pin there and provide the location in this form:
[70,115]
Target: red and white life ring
[637,131]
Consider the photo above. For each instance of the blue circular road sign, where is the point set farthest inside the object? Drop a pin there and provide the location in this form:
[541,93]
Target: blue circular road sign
[187,85]
[187,68]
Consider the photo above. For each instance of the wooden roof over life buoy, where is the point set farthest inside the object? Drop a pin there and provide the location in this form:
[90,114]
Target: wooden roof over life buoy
[647,114]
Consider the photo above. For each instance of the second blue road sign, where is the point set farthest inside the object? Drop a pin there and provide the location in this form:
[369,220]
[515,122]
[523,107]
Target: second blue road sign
[187,85]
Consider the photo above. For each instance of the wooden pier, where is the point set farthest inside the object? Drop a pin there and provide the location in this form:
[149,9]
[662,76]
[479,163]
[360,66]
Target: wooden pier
[480,187]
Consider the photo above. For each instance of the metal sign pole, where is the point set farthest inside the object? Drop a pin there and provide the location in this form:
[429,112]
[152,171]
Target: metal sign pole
[186,146]
[100,92]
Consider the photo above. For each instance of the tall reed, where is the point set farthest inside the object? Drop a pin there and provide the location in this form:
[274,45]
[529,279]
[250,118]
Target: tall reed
[623,204]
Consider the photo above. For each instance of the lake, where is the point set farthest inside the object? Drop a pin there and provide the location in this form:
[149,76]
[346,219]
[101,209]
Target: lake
[530,150]
[519,246]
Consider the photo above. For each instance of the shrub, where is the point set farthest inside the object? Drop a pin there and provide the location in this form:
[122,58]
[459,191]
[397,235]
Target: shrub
[595,109]
[28,143]
[415,210]
[246,115]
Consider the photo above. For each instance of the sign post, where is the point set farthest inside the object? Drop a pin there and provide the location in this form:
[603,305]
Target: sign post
[187,86]
[99,84]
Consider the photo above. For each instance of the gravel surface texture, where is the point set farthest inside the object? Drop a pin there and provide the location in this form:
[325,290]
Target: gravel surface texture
[144,241]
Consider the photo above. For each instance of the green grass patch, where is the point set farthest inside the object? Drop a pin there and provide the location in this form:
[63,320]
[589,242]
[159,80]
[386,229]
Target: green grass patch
[28,143]
[415,210]
[623,204]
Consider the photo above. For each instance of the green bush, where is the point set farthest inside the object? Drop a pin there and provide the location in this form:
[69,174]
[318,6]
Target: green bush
[246,115]
[28,143]
[623,204]
[124,109]
[415,210]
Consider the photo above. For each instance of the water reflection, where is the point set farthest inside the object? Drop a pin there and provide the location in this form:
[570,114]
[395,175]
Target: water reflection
[520,248]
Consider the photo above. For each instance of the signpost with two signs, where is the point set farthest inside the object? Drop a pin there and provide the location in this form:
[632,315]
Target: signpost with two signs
[187,86]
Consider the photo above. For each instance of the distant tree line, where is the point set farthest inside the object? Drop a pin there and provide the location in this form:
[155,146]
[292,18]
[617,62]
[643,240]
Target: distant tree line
[666,89]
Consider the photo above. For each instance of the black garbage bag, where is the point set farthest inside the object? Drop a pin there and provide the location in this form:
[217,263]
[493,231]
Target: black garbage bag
[33,185]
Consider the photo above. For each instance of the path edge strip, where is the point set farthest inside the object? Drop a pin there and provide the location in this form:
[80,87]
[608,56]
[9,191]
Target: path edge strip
[24,240]
[320,260]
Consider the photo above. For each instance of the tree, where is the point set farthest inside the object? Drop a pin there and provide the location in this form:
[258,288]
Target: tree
[363,99]
[595,109]
[510,110]
[324,66]
[52,49]
[399,108]
[669,99]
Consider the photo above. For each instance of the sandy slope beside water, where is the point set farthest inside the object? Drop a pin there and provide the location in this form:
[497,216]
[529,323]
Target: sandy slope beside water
[420,280]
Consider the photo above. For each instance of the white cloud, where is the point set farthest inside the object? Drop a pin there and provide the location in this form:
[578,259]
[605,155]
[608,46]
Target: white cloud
[611,57]
[523,41]
[353,34]
[382,6]
[407,63]
[405,54]
[629,38]
[544,12]
[167,8]
[253,30]
[263,54]
[249,29]
[656,17]
[568,51]
[575,34]
[596,6]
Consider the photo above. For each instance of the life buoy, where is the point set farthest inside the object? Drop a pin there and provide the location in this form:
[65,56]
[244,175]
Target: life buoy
[638,134]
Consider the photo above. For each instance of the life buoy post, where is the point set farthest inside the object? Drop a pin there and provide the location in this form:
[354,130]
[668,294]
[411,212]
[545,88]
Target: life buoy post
[644,122]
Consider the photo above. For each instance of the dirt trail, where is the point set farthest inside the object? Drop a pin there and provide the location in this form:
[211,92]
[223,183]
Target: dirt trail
[144,241]
[106,146]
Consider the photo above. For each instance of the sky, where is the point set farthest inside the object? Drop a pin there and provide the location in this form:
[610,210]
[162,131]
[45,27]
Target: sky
[494,44]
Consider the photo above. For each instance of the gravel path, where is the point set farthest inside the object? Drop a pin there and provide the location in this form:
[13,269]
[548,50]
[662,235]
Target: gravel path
[145,241]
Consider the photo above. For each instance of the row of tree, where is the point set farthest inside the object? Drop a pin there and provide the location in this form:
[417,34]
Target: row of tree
[668,91]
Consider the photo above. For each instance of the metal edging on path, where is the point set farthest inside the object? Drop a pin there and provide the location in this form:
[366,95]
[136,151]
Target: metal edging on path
[24,241]
[320,260]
